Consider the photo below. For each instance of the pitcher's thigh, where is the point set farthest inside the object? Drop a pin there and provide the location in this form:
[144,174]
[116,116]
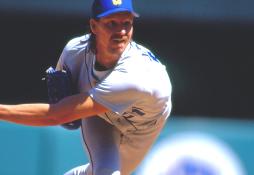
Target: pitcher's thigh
[101,140]
[81,170]
[134,148]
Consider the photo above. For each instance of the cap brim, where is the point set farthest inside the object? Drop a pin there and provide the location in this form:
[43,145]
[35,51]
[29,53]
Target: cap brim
[118,10]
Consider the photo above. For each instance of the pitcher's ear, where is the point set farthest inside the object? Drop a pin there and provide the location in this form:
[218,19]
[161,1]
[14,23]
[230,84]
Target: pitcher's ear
[92,23]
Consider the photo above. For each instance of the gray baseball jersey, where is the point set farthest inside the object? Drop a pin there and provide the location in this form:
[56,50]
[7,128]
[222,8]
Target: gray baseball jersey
[137,90]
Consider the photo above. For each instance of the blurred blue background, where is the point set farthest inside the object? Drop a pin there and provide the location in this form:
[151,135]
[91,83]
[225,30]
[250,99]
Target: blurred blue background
[207,46]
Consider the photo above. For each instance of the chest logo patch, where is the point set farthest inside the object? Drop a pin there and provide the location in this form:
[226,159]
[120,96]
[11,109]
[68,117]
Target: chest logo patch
[117,2]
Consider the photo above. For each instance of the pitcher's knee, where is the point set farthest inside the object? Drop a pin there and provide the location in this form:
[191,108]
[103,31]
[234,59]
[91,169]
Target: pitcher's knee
[81,170]
[106,171]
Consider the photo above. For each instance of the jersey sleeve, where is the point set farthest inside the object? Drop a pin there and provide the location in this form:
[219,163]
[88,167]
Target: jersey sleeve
[66,54]
[117,93]
[71,54]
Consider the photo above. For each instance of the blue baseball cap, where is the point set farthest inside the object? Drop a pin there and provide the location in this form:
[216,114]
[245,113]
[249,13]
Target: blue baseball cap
[103,8]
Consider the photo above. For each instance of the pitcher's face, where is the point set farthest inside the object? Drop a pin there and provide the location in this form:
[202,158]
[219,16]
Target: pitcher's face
[113,33]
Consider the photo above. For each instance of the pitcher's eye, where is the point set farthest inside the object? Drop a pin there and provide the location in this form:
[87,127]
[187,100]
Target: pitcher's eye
[111,24]
[127,24]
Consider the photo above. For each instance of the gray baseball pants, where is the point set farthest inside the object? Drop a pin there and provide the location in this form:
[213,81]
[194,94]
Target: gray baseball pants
[112,152]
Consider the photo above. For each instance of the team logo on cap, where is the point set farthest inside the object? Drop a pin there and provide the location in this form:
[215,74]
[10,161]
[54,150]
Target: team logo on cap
[117,2]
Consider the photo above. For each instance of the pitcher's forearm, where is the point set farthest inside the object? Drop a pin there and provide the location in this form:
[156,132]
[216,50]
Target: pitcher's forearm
[37,114]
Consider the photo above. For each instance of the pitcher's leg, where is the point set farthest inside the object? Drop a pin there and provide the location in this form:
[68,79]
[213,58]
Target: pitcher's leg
[81,170]
[135,146]
[110,152]
[102,143]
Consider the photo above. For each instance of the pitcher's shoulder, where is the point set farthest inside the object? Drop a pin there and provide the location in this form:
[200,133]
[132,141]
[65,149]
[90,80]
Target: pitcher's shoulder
[78,42]
[138,47]
[143,51]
